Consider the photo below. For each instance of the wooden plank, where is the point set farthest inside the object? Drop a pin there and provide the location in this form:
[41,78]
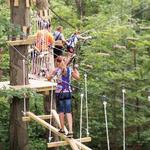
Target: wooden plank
[53,129]
[24,29]
[119,46]
[44,117]
[45,13]
[103,54]
[132,39]
[145,28]
[16,2]
[29,41]
[37,85]
[27,3]
[41,13]
[82,146]
[56,117]
[63,143]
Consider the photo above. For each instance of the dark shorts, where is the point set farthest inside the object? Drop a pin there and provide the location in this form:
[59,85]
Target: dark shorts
[58,51]
[63,105]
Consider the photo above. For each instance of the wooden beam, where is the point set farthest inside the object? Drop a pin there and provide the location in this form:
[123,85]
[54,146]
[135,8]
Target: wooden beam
[63,143]
[46,13]
[56,117]
[82,146]
[132,39]
[16,2]
[27,3]
[44,117]
[103,54]
[24,29]
[41,13]
[145,28]
[53,129]
[119,46]
[29,41]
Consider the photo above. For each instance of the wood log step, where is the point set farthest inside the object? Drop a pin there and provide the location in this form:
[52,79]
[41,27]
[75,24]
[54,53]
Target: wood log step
[63,143]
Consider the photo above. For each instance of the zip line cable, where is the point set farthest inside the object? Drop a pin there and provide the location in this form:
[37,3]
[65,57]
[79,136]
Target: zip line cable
[79,88]
[62,18]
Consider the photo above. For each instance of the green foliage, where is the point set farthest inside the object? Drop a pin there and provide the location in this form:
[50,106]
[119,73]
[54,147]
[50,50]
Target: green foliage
[110,23]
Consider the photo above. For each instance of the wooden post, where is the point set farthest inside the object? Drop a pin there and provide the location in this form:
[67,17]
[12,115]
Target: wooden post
[18,133]
[27,3]
[18,128]
[16,3]
[19,17]
[63,143]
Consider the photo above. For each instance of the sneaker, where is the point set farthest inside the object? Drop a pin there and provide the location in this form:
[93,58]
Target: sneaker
[70,135]
[61,131]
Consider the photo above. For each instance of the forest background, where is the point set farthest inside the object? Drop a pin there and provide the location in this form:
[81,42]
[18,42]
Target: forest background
[118,55]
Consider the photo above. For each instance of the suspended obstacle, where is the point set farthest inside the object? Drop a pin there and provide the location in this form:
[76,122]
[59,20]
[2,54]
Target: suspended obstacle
[41,86]
[75,144]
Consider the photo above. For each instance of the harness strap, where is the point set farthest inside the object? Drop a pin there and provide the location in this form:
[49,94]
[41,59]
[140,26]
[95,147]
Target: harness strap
[57,37]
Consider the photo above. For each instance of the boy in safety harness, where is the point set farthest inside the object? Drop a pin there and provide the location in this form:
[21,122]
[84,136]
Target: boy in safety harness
[63,91]
[71,43]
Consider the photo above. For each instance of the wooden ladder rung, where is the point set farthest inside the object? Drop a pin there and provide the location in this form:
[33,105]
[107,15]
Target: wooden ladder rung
[27,3]
[44,117]
[63,143]
[16,2]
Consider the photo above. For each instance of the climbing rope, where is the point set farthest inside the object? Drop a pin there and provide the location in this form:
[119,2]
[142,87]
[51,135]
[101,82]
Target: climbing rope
[106,123]
[50,132]
[86,105]
[24,99]
[81,108]
[123,109]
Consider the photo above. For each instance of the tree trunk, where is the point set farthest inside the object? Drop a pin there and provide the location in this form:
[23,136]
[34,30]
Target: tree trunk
[19,18]
[18,129]
[47,107]
[18,132]
[79,5]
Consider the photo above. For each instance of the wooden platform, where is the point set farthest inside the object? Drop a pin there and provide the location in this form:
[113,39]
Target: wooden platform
[29,41]
[39,86]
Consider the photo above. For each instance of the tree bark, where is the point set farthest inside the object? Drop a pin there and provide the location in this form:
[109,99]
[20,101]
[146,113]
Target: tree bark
[18,129]
[18,132]
[19,18]
[79,5]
